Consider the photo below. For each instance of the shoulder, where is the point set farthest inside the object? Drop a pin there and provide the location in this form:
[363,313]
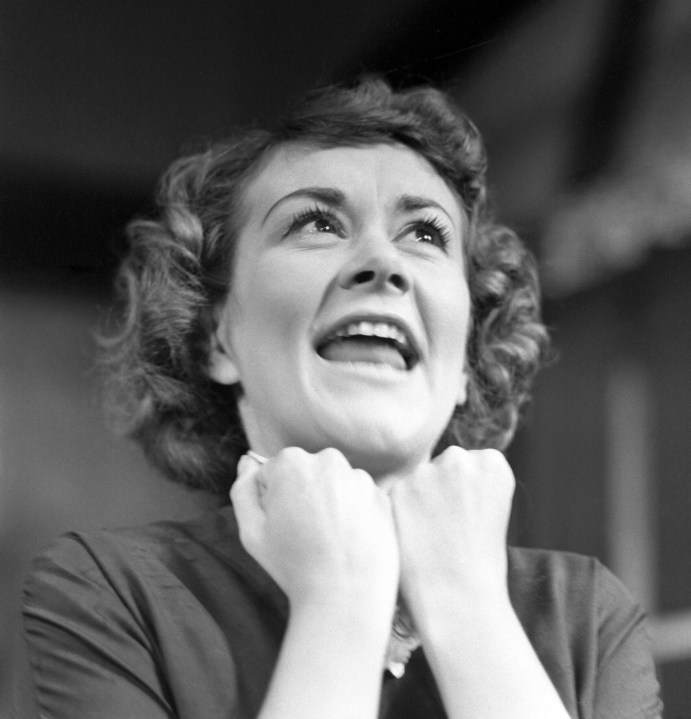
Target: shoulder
[140,566]
[100,556]
[572,580]
[160,542]
[575,590]
[589,632]
[530,562]
[170,614]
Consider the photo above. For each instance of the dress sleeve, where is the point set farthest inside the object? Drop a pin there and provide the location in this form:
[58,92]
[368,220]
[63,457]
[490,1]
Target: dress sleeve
[89,655]
[626,683]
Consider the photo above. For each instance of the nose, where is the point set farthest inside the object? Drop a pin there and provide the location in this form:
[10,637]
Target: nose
[376,266]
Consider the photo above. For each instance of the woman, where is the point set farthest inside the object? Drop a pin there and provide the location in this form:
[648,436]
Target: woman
[333,297]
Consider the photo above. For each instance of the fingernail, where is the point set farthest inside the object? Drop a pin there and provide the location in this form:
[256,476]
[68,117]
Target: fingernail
[258,458]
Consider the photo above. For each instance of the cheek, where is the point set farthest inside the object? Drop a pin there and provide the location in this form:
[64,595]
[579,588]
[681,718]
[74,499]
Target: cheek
[277,298]
[453,356]
[452,313]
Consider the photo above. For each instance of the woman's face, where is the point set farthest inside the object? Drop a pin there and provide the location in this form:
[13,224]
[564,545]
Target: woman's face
[348,313]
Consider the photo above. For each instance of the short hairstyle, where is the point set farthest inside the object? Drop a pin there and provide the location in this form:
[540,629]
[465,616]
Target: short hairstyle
[178,269]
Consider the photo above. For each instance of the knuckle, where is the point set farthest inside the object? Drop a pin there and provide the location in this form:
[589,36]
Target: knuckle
[331,455]
[453,455]
[237,486]
[509,480]
[361,477]
[291,454]
[493,459]
[500,469]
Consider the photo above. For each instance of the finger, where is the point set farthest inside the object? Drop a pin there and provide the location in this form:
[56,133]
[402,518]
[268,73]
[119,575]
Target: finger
[245,495]
[256,456]
[452,453]
[251,468]
[251,464]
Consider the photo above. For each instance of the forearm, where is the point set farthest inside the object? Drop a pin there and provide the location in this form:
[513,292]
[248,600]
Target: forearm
[485,666]
[330,664]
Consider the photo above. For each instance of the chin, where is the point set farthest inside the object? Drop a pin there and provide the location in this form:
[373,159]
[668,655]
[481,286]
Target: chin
[381,451]
[376,436]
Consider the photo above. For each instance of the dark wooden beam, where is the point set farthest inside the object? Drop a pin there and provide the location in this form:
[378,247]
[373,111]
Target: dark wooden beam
[436,40]
[607,99]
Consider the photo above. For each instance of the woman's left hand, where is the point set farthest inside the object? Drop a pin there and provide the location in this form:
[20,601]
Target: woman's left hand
[452,517]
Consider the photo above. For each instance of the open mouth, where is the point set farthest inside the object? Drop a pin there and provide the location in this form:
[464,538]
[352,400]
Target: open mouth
[382,343]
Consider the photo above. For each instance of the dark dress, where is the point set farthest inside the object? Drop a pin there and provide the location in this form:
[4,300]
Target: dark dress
[177,620]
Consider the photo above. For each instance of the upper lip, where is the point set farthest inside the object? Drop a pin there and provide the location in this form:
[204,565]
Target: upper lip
[374,317]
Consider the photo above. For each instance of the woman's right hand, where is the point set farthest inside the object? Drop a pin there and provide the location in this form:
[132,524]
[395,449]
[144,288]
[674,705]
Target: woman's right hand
[323,530]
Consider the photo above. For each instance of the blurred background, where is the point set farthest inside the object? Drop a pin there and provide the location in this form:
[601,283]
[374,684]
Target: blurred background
[586,109]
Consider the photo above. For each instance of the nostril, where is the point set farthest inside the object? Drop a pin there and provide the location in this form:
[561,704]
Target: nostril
[363,277]
[397,281]
[375,275]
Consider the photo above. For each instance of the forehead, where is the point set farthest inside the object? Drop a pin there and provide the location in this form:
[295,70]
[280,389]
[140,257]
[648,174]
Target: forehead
[388,170]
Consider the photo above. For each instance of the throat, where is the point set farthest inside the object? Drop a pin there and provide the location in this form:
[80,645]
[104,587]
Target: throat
[372,350]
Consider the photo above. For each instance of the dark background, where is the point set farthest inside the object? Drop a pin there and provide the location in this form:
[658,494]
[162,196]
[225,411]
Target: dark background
[585,105]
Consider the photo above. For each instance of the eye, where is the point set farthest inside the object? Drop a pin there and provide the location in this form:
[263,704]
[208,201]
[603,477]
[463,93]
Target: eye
[316,220]
[431,231]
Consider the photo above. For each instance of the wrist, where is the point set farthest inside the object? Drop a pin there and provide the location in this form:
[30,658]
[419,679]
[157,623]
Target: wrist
[330,662]
[446,613]
[358,613]
[339,633]
[484,664]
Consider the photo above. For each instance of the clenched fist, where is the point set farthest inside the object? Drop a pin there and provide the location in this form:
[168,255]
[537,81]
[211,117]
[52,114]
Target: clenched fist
[452,516]
[323,530]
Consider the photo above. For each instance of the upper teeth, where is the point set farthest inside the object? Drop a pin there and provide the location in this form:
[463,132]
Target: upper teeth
[373,329]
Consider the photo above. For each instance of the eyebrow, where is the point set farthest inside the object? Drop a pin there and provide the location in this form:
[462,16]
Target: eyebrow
[336,198]
[411,203]
[328,195]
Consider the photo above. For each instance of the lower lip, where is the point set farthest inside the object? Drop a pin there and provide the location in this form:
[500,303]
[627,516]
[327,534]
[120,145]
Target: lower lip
[369,370]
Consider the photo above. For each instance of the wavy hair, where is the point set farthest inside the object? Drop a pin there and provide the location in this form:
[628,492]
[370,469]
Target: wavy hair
[178,269]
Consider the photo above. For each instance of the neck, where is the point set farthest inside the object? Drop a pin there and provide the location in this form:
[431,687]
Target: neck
[388,468]
[384,472]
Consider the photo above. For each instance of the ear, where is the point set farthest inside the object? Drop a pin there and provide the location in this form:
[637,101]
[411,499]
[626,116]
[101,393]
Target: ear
[222,365]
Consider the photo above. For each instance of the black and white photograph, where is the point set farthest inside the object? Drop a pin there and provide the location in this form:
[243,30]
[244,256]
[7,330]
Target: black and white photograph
[345,359]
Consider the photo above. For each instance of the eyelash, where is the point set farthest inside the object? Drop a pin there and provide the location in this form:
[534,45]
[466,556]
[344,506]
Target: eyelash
[439,228]
[311,214]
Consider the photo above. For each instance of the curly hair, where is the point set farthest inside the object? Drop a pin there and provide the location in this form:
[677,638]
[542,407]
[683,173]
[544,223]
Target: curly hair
[179,266]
